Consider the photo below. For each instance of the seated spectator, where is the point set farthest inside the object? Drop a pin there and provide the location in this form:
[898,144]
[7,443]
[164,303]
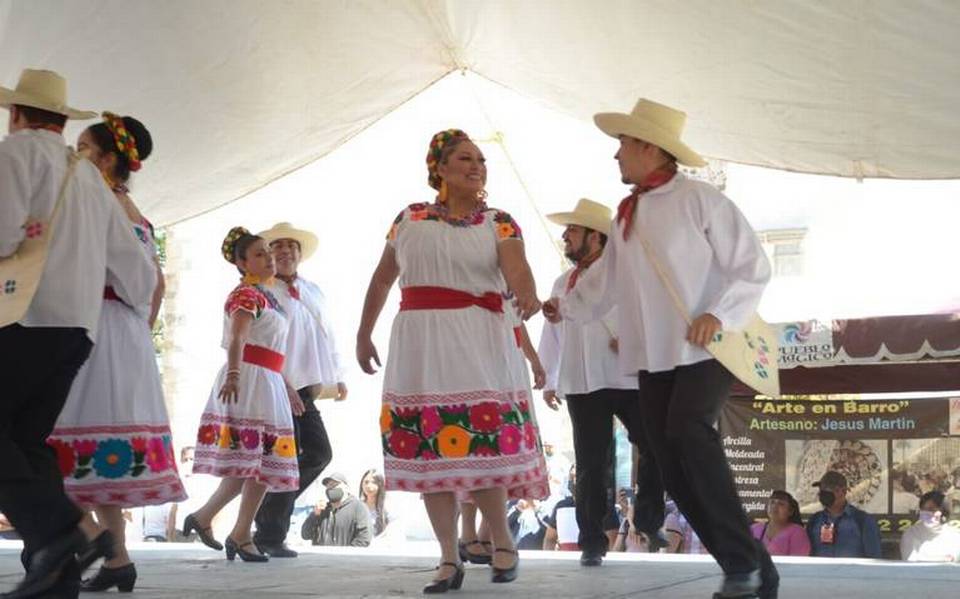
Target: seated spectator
[680,535]
[840,529]
[373,493]
[931,539]
[6,529]
[562,529]
[783,532]
[526,524]
[158,523]
[904,493]
[341,521]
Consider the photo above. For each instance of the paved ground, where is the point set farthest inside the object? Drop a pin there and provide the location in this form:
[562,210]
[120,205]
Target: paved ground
[174,570]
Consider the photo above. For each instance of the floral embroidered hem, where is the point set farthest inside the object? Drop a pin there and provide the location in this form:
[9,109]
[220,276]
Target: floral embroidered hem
[247,448]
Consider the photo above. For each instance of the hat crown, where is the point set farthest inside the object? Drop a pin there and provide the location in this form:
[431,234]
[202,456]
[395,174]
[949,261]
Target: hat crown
[585,206]
[44,85]
[670,120]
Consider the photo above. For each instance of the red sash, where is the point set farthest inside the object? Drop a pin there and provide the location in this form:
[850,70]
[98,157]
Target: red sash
[110,294]
[261,356]
[443,298]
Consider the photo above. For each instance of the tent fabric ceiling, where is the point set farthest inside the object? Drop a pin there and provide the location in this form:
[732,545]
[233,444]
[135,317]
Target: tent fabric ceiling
[240,92]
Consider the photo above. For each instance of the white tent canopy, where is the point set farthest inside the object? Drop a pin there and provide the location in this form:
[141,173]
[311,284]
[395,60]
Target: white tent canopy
[240,92]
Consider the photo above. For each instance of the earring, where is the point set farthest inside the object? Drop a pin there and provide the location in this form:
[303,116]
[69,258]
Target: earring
[482,195]
[442,196]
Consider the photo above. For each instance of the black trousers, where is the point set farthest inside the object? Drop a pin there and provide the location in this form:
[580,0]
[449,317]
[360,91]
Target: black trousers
[37,370]
[592,417]
[678,412]
[313,455]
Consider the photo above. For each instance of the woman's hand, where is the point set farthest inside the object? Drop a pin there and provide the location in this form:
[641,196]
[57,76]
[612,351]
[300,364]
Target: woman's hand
[367,351]
[526,306]
[550,397]
[228,392]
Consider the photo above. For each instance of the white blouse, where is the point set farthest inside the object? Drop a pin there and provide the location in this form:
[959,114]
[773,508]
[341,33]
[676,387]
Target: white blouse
[706,244]
[329,366]
[577,355]
[92,237]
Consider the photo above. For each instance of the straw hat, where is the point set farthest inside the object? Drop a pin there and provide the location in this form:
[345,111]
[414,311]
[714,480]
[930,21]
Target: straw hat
[45,90]
[653,123]
[588,213]
[306,239]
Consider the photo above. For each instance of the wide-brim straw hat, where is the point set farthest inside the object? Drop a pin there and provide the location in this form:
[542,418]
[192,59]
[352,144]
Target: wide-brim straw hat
[306,239]
[653,123]
[587,213]
[45,90]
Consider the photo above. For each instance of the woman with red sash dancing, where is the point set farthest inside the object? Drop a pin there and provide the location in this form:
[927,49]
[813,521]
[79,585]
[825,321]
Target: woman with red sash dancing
[112,437]
[246,430]
[457,420]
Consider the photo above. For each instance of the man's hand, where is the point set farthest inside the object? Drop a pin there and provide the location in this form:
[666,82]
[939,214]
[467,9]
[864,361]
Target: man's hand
[551,310]
[614,345]
[703,329]
[553,402]
[342,390]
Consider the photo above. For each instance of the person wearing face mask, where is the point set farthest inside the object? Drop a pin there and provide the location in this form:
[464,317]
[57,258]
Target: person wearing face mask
[931,539]
[841,529]
[342,520]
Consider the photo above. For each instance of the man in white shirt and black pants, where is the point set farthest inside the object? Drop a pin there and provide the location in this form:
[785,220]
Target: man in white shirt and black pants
[715,261]
[45,347]
[312,366]
[580,359]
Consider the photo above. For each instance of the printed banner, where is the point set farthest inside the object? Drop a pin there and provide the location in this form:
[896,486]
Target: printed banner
[805,344]
[890,451]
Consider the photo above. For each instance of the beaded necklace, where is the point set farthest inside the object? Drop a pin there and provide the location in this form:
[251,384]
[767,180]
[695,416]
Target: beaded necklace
[475,217]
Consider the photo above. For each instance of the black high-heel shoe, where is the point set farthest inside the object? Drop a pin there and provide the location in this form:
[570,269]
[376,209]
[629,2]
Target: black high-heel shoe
[100,546]
[505,574]
[190,524]
[454,581]
[233,550]
[482,559]
[106,578]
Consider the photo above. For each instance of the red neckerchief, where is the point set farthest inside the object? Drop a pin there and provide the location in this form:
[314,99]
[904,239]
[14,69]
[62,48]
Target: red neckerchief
[46,127]
[582,265]
[628,206]
[292,288]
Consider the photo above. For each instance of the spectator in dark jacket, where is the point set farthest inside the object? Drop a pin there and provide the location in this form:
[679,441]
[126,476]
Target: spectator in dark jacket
[341,521]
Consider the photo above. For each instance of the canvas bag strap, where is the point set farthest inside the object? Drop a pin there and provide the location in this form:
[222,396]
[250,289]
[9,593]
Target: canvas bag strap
[72,159]
[664,277]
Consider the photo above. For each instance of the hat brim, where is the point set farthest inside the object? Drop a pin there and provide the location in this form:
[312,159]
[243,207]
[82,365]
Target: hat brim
[9,97]
[616,124]
[583,220]
[307,240]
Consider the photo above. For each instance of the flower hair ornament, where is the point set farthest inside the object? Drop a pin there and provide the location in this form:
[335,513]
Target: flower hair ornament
[230,243]
[126,143]
[435,153]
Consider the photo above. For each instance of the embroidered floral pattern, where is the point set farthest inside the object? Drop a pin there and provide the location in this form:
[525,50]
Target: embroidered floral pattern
[229,437]
[34,229]
[504,224]
[10,286]
[247,298]
[114,457]
[484,429]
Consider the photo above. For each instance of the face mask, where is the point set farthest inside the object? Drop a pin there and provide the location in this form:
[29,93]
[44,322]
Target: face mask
[335,494]
[930,519]
[827,498]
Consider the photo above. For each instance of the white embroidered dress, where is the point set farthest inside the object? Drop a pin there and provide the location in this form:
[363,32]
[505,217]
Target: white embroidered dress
[457,412]
[252,438]
[112,438]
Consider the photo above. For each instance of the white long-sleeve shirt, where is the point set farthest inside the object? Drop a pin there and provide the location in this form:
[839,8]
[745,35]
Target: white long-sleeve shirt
[576,355]
[704,242]
[91,237]
[331,363]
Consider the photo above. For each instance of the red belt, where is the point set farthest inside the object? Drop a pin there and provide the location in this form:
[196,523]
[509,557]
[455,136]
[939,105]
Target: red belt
[261,356]
[443,298]
[110,294]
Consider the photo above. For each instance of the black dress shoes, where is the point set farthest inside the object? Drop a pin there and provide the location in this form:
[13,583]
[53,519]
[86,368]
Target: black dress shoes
[452,582]
[50,566]
[505,574]
[190,524]
[278,550]
[105,579]
[591,558]
[101,546]
[234,549]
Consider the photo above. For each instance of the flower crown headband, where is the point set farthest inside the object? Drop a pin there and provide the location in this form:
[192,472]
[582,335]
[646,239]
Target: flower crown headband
[230,243]
[126,143]
[435,152]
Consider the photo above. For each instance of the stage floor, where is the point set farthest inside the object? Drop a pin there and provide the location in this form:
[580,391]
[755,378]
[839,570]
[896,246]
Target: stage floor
[172,570]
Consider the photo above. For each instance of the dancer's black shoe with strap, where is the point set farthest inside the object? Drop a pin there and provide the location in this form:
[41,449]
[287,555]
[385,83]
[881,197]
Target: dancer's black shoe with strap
[234,549]
[106,578]
[452,582]
[191,524]
[99,546]
[466,555]
[505,574]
